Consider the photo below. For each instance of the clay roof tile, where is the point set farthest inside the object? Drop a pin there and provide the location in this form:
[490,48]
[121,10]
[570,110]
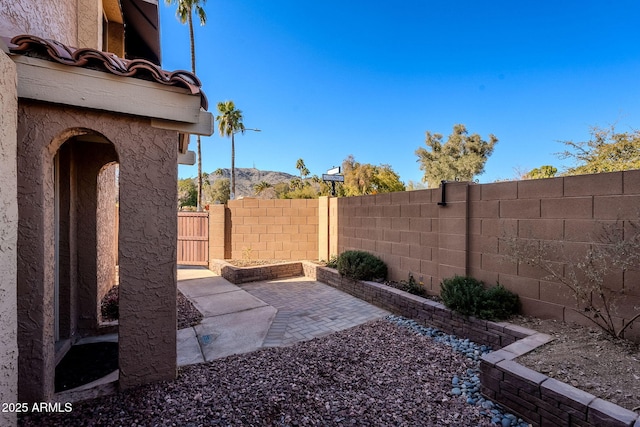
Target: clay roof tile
[104,61]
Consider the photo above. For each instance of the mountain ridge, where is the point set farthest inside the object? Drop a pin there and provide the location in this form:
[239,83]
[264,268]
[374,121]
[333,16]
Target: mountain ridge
[246,178]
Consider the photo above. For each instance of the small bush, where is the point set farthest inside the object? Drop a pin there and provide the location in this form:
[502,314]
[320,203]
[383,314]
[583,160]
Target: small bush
[499,304]
[468,297]
[333,262]
[360,265]
[109,306]
[411,286]
[462,294]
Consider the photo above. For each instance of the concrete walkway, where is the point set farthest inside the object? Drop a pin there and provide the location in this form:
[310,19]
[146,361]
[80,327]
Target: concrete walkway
[240,319]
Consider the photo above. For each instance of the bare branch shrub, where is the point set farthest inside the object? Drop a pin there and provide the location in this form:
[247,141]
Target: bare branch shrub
[614,250]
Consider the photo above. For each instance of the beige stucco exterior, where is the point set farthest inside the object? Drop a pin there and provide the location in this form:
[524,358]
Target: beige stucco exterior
[56,19]
[78,23]
[62,131]
[147,259]
[89,34]
[8,238]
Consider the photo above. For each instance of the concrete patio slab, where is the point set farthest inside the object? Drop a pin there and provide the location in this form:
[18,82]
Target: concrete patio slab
[189,351]
[186,272]
[234,333]
[261,314]
[226,303]
[193,288]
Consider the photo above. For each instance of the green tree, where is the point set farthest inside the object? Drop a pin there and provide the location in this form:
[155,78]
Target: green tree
[302,168]
[546,171]
[184,12]
[365,178]
[261,186]
[296,183]
[606,151]
[412,185]
[386,180]
[358,178]
[230,123]
[218,192]
[304,192]
[461,158]
[187,193]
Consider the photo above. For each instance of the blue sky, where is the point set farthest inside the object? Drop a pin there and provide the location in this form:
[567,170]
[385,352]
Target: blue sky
[323,80]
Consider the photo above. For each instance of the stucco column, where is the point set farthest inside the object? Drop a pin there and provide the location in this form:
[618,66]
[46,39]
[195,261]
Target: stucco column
[147,255]
[36,260]
[8,238]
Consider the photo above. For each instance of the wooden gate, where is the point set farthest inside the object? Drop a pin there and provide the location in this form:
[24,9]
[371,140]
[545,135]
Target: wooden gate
[193,238]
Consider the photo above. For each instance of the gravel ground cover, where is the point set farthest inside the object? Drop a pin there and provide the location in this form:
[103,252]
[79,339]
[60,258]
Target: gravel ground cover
[386,373]
[188,315]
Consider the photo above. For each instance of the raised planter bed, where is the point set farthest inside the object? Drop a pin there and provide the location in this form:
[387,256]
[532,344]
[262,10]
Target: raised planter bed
[237,275]
[537,398]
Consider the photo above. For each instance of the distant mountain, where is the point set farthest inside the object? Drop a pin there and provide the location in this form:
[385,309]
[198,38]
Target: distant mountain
[246,178]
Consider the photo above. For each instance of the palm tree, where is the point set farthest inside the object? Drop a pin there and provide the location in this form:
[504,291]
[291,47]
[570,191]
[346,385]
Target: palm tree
[185,16]
[230,123]
[302,168]
[261,186]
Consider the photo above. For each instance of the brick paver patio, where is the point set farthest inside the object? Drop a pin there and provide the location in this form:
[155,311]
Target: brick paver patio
[308,309]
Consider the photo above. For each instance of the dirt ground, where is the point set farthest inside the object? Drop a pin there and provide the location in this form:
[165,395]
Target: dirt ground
[587,359]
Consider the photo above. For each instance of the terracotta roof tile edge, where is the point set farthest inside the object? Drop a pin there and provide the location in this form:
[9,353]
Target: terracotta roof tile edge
[105,61]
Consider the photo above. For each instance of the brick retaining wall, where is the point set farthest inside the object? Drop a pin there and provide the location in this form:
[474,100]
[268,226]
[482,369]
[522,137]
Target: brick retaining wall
[238,275]
[535,397]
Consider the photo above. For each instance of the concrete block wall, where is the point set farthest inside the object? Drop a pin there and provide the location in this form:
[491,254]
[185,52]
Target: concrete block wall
[410,231]
[265,229]
[567,213]
[414,234]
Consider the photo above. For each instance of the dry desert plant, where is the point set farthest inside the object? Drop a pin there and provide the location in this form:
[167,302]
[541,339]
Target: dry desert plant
[587,275]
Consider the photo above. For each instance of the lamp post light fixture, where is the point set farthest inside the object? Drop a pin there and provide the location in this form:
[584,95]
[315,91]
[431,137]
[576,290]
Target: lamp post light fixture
[232,194]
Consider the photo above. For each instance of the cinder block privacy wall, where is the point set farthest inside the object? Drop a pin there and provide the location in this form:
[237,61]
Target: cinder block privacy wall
[431,237]
[264,229]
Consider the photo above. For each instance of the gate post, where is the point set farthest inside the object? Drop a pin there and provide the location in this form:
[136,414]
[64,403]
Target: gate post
[323,228]
[217,225]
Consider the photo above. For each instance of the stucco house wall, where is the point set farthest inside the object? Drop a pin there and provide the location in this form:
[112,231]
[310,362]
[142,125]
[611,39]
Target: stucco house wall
[8,238]
[55,19]
[148,194]
[106,238]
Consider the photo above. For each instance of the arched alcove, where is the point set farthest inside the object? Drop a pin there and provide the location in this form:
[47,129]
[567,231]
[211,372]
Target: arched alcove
[67,233]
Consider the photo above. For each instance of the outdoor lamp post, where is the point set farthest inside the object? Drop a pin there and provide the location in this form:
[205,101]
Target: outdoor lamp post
[232,194]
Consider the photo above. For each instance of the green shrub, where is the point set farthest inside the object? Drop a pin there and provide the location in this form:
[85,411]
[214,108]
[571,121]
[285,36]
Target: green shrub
[499,304]
[333,262]
[360,265]
[468,297]
[462,294]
